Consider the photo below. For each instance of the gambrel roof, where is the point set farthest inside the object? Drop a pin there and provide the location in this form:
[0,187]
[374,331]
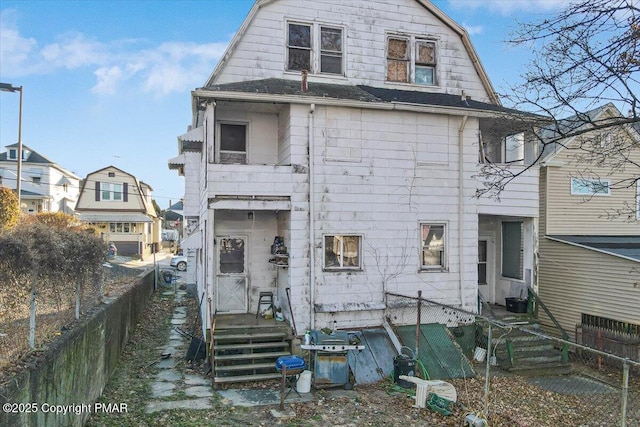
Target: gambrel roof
[426,4]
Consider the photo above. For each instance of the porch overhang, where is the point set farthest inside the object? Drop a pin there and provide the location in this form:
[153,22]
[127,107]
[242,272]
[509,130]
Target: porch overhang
[251,203]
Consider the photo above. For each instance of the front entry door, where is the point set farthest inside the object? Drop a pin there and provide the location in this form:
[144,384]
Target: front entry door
[231,280]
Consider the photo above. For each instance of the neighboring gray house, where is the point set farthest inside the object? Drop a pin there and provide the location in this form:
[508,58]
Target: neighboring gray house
[46,187]
[351,130]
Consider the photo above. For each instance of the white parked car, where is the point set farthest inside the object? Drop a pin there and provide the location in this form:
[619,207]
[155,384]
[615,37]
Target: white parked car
[179,262]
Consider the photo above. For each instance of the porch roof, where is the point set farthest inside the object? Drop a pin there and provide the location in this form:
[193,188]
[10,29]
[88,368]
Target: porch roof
[360,93]
[114,217]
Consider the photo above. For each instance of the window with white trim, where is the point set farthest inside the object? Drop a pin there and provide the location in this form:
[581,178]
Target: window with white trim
[411,60]
[314,47]
[590,187]
[342,251]
[122,227]
[233,143]
[110,191]
[433,247]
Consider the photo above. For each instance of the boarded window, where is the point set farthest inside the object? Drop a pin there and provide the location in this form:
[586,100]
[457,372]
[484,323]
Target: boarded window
[299,46]
[425,63]
[331,50]
[233,143]
[398,60]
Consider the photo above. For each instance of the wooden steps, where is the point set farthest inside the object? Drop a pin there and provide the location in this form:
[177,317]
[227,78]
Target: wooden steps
[244,353]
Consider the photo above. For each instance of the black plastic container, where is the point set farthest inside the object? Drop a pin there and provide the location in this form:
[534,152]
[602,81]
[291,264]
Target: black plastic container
[404,365]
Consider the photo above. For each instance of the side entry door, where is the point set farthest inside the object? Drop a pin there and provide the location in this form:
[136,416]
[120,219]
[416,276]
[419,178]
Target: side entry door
[231,279]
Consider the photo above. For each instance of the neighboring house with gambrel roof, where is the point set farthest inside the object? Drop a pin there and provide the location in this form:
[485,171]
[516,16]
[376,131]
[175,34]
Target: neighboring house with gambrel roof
[121,208]
[46,186]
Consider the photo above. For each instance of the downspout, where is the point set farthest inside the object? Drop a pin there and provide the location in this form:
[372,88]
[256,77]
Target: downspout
[312,214]
[461,206]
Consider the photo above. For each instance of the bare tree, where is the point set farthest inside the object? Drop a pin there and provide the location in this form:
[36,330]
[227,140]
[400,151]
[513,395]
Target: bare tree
[585,56]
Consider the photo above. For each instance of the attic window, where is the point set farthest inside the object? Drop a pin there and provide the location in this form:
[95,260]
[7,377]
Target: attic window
[425,62]
[330,50]
[398,60]
[299,47]
[315,48]
[112,174]
[411,60]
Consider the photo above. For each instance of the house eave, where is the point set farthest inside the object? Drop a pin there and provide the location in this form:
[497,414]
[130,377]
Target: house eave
[318,100]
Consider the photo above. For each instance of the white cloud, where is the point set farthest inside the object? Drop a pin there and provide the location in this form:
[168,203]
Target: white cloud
[108,79]
[14,48]
[506,7]
[473,29]
[163,69]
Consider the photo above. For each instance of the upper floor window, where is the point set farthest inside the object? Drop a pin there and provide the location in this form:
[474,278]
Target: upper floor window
[233,143]
[433,254]
[411,60]
[590,187]
[323,55]
[342,252]
[514,148]
[110,191]
[36,179]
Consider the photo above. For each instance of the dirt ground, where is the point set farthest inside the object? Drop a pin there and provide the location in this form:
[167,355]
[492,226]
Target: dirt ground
[373,405]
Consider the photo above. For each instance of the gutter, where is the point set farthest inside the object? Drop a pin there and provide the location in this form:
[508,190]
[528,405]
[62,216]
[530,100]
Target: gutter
[461,207]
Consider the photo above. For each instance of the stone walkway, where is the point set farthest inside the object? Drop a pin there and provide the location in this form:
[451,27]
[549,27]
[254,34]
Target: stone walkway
[171,389]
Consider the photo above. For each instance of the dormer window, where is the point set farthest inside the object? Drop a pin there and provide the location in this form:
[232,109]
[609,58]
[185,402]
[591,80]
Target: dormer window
[13,154]
[411,60]
[314,47]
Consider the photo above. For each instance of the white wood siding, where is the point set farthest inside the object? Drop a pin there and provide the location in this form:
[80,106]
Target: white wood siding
[380,190]
[576,280]
[520,196]
[261,53]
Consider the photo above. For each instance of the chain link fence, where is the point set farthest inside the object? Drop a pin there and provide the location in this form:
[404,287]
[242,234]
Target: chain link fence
[34,310]
[509,371]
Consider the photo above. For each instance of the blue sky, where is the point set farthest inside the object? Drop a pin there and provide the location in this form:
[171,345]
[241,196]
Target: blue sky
[108,82]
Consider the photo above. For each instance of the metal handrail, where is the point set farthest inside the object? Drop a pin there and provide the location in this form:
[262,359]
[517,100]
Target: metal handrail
[533,296]
[537,299]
